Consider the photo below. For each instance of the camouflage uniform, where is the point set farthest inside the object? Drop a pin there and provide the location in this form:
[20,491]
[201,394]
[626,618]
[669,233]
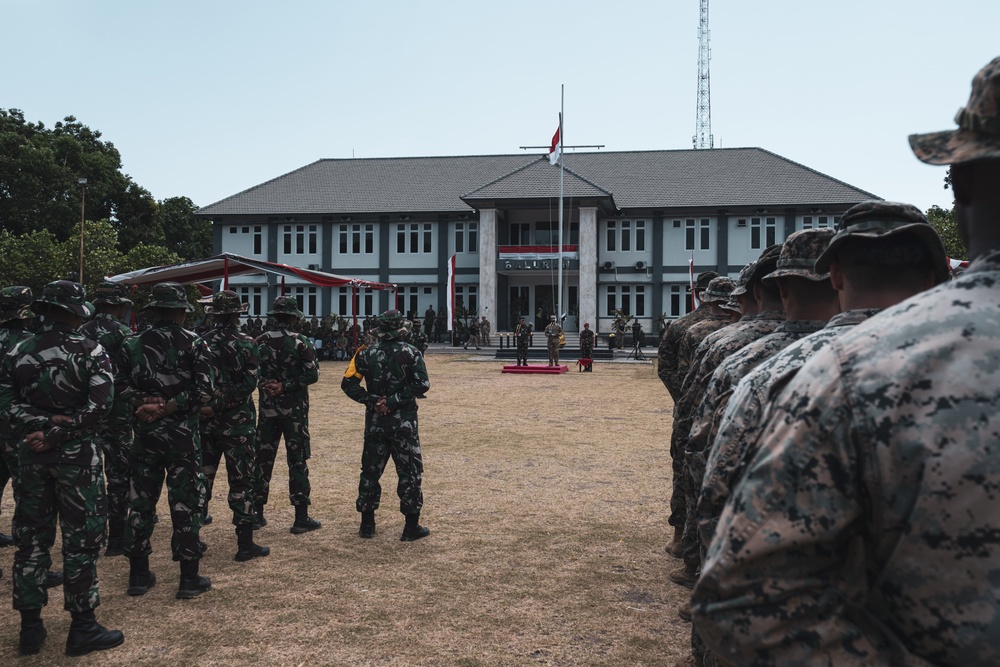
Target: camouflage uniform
[288,358]
[484,331]
[552,333]
[58,384]
[115,433]
[587,338]
[668,357]
[419,338]
[171,366]
[393,371]
[522,337]
[473,334]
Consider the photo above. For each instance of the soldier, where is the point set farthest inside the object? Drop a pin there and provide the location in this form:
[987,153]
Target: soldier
[429,319]
[522,336]
[15,316]
[484,331]
[107,328]
[287,368]
[57,386]
[587,345]
[552,333]
[395,377]
[165,373]
[228,423]
[419,339]
[864,530]
[473,333]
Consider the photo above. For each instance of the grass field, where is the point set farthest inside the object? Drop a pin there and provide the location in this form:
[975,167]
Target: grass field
[546,500]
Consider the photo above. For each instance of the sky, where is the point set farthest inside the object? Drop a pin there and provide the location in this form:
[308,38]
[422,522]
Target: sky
[207,98]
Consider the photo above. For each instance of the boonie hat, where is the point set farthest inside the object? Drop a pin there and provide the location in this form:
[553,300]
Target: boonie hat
[170,296]
[798,256]
[718,290]
[743,279]
[875,219]
[286,305]
[226,302]
[67,295]
[704,278]
[15,303]
[978,133]
[112,294]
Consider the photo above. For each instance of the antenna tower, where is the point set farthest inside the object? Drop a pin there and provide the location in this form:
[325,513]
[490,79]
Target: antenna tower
[703,121]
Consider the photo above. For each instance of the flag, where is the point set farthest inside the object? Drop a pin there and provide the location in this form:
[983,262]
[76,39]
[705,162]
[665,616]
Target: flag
[691,279]
[451,293]
[555,150]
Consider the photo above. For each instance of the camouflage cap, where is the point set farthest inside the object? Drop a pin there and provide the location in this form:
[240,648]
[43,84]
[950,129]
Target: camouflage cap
[389,324]
[226,302]
[798,256]
[170,296]
[285,305]
[875,219]
[978,133]
[718,290]
[15,303]
[744,279]
[732,305]
[113,294]
[67,295]
[704,278]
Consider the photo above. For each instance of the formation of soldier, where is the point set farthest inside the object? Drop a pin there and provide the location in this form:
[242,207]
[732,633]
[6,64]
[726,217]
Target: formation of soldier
[834,449]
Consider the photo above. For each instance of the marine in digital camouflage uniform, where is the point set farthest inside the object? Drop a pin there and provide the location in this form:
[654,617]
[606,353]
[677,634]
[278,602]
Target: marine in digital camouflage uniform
[287,367]
[57,387]
[15,319]
[522,338]
[229,421]
[165,373]
[667,357]
[864,530]
[394,377]
[115,433]
[552,333]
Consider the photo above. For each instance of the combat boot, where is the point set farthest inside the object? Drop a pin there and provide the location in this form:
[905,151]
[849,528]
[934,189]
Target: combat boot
[303,522]
[86,635]
[686,576]
[260,522]
[413,530]
[33,632]
[674,548]
[6,540]
[140,577]
[367,524]
[192,585]
[247,550]
[116,538]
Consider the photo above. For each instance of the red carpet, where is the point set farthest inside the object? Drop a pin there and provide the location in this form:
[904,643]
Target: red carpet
[535,368]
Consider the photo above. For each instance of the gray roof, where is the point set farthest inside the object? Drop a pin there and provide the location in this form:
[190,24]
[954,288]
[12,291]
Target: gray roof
[635,179]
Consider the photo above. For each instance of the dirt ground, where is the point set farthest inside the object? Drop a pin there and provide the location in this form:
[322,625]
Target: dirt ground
[546,500]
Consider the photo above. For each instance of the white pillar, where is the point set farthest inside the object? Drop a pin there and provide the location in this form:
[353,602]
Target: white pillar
[488,265]
[588,267]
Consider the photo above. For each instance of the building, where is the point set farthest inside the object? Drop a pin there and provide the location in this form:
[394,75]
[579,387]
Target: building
[633,223]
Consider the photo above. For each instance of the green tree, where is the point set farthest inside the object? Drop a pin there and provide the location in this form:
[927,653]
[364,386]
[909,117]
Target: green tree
[188,236]
[944,222]
[31,259]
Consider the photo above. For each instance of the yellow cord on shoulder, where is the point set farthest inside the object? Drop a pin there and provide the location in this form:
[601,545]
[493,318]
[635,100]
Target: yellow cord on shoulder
[352,370]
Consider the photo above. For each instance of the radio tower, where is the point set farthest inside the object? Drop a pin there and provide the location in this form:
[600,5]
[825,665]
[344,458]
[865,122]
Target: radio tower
[703,122]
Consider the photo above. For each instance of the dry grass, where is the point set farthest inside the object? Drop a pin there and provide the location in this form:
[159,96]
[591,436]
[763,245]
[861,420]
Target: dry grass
[546,498]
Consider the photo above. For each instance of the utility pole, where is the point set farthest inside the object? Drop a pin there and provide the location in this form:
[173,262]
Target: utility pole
[703,119]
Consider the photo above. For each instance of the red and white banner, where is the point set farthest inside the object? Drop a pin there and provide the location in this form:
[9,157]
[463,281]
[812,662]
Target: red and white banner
[529,252]
[555,149]
[694,302]
[451,293]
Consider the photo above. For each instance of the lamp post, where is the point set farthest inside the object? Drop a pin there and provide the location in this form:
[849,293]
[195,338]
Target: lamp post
[82,182]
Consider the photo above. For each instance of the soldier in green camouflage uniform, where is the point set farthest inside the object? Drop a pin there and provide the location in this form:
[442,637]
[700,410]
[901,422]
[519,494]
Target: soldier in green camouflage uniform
[287,368]
[419,337]
[165,373]
[229,422]
[395,377]
[587,339]
[15,316]
[522,337]
[57,387]
[864,530]
[106,327]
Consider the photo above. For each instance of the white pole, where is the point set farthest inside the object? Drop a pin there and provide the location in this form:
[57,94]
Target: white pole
[562,106]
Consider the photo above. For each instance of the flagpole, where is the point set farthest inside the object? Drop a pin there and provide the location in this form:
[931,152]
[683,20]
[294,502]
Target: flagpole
[562,107]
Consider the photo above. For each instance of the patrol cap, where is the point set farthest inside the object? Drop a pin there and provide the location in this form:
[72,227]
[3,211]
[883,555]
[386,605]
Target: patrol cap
[67,295]
[798,256]
[718,290]
[978,133]
[704,278]
[170,296]
[285,305]
[875,219]
[226,302]
[112,294]
[15,303]
[743,279]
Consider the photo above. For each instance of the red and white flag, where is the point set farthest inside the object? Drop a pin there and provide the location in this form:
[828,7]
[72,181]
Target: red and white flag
[451,293]
[694,303]
[555,150]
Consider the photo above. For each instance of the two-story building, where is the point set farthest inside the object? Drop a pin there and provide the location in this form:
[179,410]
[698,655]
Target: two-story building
[633,223]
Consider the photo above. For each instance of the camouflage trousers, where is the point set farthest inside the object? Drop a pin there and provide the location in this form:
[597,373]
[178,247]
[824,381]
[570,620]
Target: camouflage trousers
[587,351]
[553,346]
[9,471]
[116,443]
[522,352]
[404,448]
[153,459]
[295,430]
[240,452]
[679,472]
[73,495]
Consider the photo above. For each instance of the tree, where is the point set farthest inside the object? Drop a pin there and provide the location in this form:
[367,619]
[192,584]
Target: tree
[188,236]
[944,222]
[20,255]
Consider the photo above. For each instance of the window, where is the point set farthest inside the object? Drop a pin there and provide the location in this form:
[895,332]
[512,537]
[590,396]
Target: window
[346,309]
[679,301]
[820,222]
[626,236]
[466,237]
[355,239]
[520,233]
[400,238]
[630,299]
[459,237]
[762,230]
[706,233]
[611,236]
[407,301]
[640,236]
[306,299]
[299,239]
[258,240]
[689,234]
[468,294]
[254,297]
[428,237]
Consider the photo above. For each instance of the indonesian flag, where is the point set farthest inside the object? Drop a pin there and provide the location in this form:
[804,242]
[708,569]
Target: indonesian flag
[451,293]
[555,150]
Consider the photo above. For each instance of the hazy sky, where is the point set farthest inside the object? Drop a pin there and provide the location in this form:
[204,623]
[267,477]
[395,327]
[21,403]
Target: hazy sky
[207,98]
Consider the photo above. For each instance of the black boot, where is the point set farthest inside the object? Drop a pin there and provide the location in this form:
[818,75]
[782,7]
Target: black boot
[367,524]
[261,521]
[116,538]
[140,577]
[6,540]
[246,549]
[303,522]
[207,519]
[413,530]
[192,585]
[86,635]
[53,579]
[33,632]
